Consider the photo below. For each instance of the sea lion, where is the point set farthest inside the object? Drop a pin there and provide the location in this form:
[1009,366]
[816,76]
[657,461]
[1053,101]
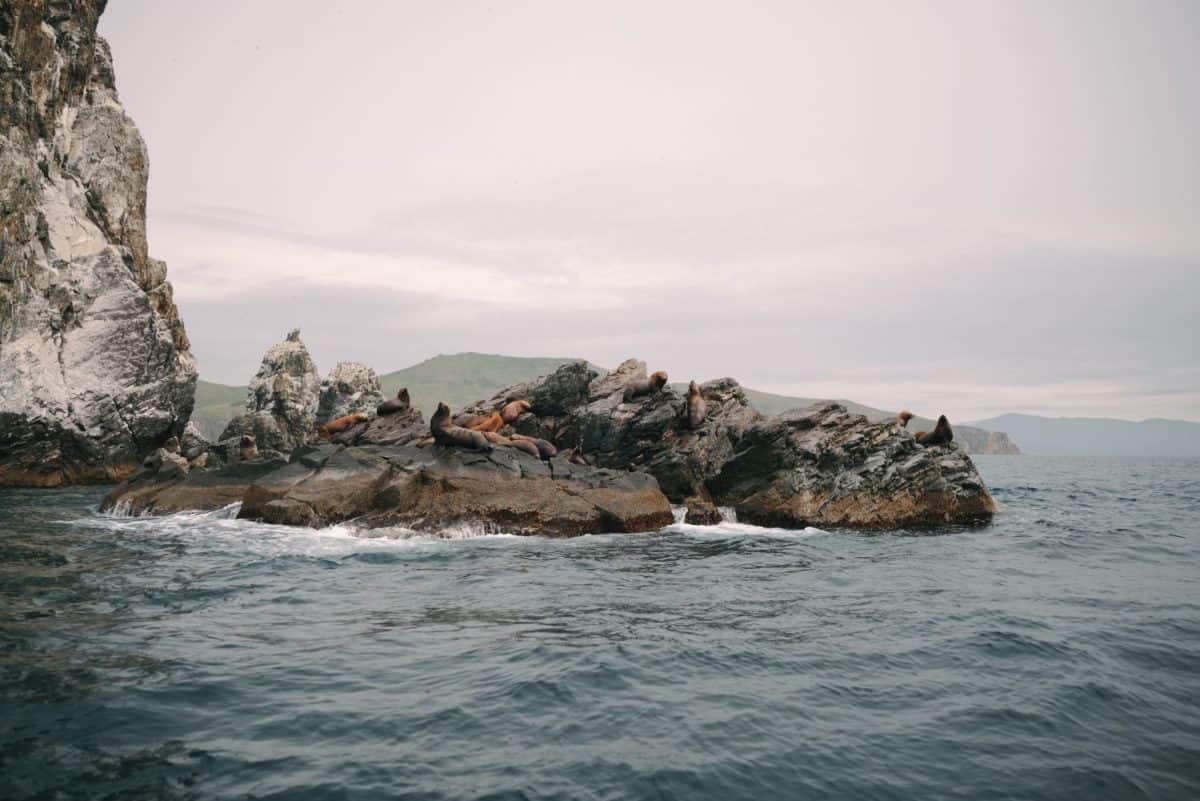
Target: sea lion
[520,444]
[575,456]
[545,449]
[941,434]
[445,433]
[341,424]
[903,418]
[513,410]
[171,445]
[247,447]
[484,422]
[399,404]
[645,386]
[696,407]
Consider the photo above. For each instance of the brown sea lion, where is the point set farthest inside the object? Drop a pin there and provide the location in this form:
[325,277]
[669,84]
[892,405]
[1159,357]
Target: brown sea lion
[171,445]
[520,444]
[396,405]
[247,447]
[513,410]
[545,449]
[696,407]
[484,422]
[445,433]
[645,386]
[941,434]
[903,418]
[575,456]
[341,424]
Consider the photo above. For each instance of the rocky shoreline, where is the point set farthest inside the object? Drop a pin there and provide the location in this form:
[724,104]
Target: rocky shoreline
[97,382]
[616,461]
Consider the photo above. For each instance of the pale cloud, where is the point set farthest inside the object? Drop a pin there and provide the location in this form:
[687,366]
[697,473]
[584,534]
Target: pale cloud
[946,206]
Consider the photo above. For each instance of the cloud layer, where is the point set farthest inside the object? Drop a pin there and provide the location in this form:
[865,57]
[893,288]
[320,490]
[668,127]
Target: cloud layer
[945,206]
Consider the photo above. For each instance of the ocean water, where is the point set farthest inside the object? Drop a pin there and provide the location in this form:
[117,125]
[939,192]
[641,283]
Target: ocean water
[1054,654]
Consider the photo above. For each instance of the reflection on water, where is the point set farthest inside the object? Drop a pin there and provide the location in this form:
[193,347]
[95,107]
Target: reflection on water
[1054,654]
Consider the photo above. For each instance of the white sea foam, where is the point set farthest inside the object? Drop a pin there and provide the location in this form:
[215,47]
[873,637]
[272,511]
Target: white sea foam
[221,528]
[727,528]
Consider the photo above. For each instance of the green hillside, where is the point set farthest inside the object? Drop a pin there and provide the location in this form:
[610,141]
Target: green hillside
[216,405]
[462,378]
[771,405]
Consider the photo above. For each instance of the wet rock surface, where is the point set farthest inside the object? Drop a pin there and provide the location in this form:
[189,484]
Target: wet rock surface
[421,489]
[95,368]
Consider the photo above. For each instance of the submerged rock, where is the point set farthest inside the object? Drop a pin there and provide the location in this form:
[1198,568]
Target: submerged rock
[95,369]
[282,399]
[423,489]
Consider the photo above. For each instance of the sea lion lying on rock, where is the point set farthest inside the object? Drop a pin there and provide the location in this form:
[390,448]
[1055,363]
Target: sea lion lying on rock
[903,418]
[520,444]
[645,386]
[546,449]
[247,447]
[513,410]
[940,435]
[400,403]
[447,434]
[484,422]
[696,407]
[341,424]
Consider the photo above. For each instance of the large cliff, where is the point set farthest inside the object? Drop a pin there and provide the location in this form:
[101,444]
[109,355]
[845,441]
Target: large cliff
[95,369]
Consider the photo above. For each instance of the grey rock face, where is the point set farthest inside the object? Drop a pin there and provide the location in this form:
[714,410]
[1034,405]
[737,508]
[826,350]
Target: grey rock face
[282,398]
[95,370]
[976,440]
[349,388]
[426,489]
[402,428]
[815,467]
[826,467]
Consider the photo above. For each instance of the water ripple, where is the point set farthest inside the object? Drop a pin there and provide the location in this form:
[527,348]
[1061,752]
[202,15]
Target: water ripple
[1052,655]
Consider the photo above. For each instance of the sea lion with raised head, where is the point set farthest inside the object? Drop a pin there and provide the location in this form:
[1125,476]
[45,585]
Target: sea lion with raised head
[575,456]
[484,422]
[247,447]
[445,433]
[903,418]
[396,405]
[696,407]
[341,424]
[644,386]
[940,435]
[512,411]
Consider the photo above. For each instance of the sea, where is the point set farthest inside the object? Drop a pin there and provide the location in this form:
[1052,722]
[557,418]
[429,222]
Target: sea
[1052,654]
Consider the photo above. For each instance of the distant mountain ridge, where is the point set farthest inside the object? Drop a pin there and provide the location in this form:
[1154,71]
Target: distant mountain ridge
[1098,436]
[462,378]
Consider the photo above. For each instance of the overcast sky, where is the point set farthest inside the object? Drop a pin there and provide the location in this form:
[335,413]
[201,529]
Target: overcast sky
[957,207]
